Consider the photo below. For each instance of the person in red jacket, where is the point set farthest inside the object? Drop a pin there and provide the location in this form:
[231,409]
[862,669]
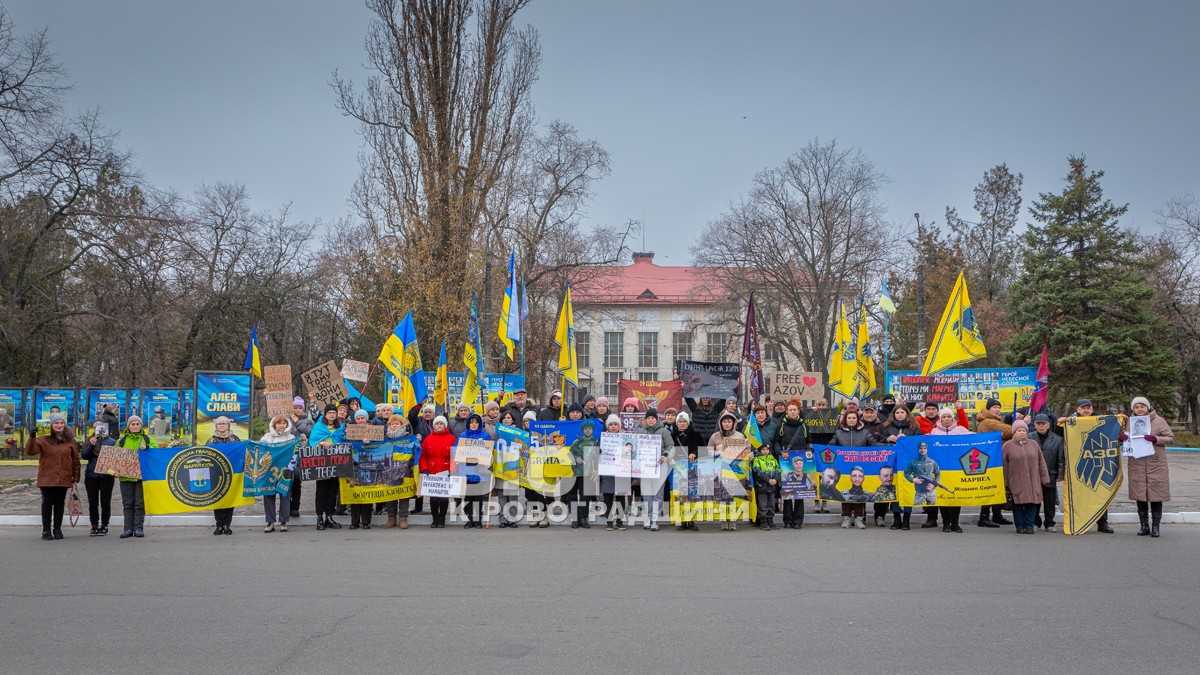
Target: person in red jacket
[436,454]
[929,420]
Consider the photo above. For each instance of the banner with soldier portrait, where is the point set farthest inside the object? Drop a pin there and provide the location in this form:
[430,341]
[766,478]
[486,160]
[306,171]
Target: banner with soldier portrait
[964,470]
[855,474]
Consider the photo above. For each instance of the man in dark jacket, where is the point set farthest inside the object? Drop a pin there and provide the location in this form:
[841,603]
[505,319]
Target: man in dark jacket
[520,404]
[1052,450]
[554,411]
[704,416]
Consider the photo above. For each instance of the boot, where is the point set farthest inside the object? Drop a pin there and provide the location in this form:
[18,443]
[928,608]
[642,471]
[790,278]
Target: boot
[984,522]
[929,522]
[880,521]
[1154,526]
[858,522]
[845,522]
[906,517]
[402,522]
[896,522]
[391,522]
[1145,520]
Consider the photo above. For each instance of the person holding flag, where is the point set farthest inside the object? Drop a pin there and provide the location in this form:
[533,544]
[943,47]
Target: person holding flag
[402,356]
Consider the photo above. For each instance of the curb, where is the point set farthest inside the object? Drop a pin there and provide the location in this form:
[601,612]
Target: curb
[206,520]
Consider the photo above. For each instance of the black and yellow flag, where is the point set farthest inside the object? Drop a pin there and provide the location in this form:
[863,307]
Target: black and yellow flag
[1093,471]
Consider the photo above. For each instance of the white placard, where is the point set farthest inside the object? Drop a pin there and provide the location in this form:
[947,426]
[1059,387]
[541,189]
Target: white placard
[630,455]
[355,370]
[434,485]
[1137,446]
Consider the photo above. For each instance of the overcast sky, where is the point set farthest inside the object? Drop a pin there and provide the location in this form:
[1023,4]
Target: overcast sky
[690,98]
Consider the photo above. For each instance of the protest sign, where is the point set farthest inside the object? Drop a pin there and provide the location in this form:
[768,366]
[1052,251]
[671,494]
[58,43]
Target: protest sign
[358,371]
[385,472]
[797,478]
[278,403]
[317,462]
[473,451]
[709,380]
[325,384]
[506,462]
[1137,446]
[809,387]
[855,474]
[711,488]
[1092,473]
[266,469]
[734,447]
[451,487]
[121,462]
[365,432]
[652,394]
[939,389]
[278,378]
[975,386]
[630,455]
[554,433]
[631,422]
[963,470]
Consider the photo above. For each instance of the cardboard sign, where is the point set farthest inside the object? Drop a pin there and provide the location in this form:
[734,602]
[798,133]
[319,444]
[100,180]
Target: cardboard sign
[278,402]
[119,462]
[365,432]
[929,388]
[316,462]
[807,386]
[325,383]
[442,486]
[734,448]
[473,451]
[278,378]
[355,370]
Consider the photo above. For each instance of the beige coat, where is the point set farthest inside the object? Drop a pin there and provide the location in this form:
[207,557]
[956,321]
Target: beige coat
[1148,477]
[987,421]
[1025,471]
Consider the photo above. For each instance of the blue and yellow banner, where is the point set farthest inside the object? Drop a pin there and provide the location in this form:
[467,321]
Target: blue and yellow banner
[798,474]
[510,445]
[1093,472]
[977,385]
[964,470]
[268,468]
[855,474]
[199,478]
[383,471]
[556,433]
[711,488]
[226,394]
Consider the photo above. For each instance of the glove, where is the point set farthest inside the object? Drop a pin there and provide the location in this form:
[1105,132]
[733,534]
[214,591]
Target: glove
[1123,437]
[1151,437]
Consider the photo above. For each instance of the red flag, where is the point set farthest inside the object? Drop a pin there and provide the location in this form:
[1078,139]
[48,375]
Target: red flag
[651,394]
[751,354]
[1040,392]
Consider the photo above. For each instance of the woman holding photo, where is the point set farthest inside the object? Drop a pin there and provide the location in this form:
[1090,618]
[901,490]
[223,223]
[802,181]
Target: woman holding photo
[99,485]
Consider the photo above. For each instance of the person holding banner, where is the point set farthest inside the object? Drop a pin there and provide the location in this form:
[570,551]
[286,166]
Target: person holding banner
[436,455]
[685,436]
[1149,479]
[222,434]
[1025,473]
[791,434]
[608,484]
[990,419]
[99,485]
[473,501]
[507,491]
[727,428]
[397,509]
[58,470]
[898,423]
[852,434]
[327,431]
[948,426]
[652,487]
[133,503]
[584,456]
[281,431]
[1084,408]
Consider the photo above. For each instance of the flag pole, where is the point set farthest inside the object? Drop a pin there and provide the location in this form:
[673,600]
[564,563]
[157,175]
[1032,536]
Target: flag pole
[887,336]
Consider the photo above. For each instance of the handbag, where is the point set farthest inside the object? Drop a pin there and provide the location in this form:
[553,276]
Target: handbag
[74,505]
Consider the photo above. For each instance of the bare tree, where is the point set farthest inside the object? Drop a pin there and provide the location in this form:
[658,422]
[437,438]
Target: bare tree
[809,233]
[988,246]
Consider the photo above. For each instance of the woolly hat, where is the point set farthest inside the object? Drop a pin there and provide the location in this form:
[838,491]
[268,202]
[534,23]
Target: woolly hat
[440,418]
[220,420]
[57,417]
[330,408]
[683,417]
[575,407]
[633,402]
[992,403]
[602,401]
[948,411]
[612,419]
[297,402]
[490,406]
[652,413]
[529,415]
[1020,424]
[1140,399]
[360,413]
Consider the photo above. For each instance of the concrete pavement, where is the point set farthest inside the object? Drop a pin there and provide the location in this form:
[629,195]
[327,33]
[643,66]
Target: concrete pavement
[454,600]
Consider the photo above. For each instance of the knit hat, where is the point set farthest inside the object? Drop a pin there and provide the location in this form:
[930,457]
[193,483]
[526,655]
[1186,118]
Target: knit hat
[587,398]
[220,420]
[632,400]
[1020,424]
[612,419]
[575,407]
[529,415]
[57,417]
[131,419]
[298,402]
[360,413]
[652,413]
[330,408]
[429,407]
[602,400]
[490,406]
[440,418]
[1140,399]
[991,403]
[947,411]
[462,406]
[683,417]
[671,410]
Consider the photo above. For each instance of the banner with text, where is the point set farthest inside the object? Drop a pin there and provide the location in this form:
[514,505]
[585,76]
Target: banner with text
[709,380]
[963,470]
[855,474]
[269,468]
[656,395]
[222,394]
[382,472]
[977,385]
[1093,470]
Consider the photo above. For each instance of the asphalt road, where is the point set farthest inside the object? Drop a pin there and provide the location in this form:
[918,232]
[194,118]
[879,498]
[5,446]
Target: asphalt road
[818,599]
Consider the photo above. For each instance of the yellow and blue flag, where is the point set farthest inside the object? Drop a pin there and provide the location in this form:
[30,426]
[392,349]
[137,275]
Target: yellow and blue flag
[441,382]
[843,361]
[199,478]
[402,356]
[253,362]
[885,300]
[564,337]
[268,468]
[753,432]
[510,310]
[866,364]
[957,340]
[471,377]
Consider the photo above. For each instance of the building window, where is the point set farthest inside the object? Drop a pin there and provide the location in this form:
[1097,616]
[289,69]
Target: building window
[681,347]
[583,349]
[611,381]
[772,355]
[647,350]
[648,376]
[614,350]
[718,346]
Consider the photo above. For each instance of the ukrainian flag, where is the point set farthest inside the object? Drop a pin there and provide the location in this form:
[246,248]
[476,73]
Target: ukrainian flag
[199,478]
[885,300]
[510,310]
[957,340]
[753,433]
[564,337]
[441,387]
[253,362]
[402,356]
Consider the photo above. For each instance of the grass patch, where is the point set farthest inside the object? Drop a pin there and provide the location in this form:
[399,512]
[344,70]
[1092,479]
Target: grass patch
[1184,439]
[13,482]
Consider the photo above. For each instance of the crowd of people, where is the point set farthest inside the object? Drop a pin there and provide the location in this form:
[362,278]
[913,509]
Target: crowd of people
[1033,461]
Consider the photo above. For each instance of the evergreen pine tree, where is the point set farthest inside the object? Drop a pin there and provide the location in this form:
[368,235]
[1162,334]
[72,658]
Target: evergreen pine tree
[1083,292]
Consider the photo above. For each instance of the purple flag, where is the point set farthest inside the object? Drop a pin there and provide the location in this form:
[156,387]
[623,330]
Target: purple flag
[751,354]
